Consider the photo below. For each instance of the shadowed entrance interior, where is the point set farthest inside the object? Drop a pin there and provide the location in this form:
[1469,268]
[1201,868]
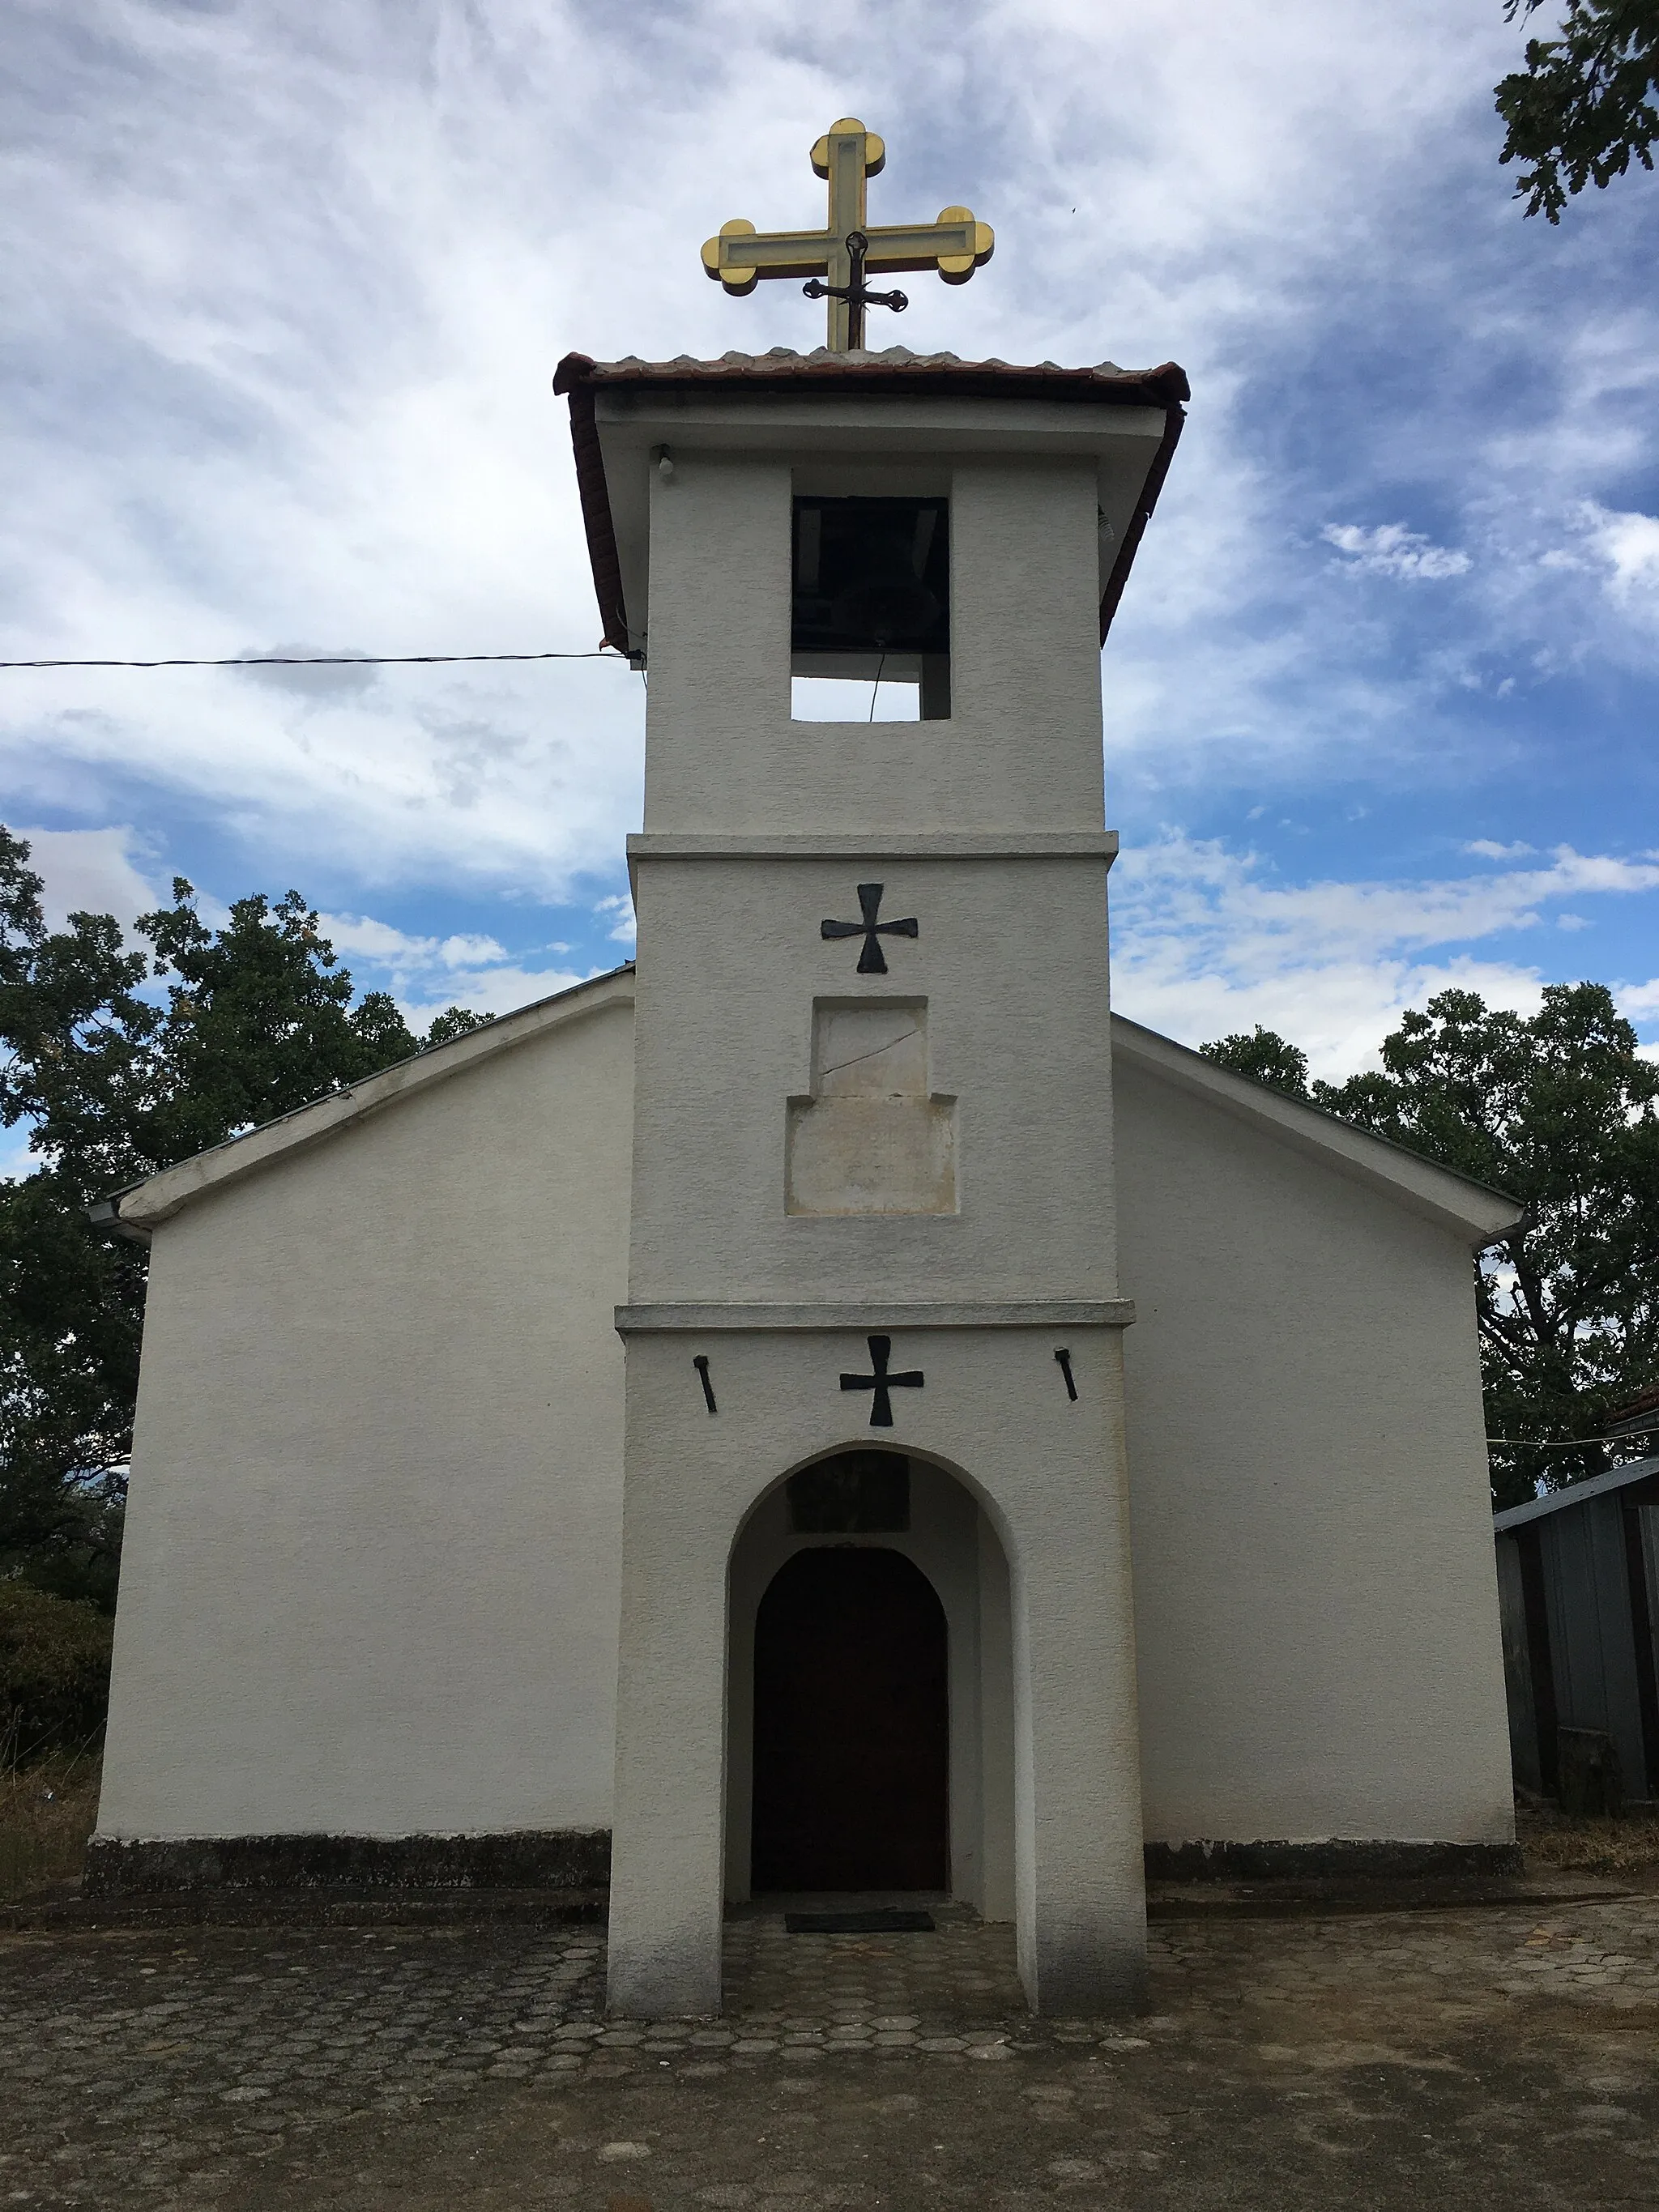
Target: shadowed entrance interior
[852,1726]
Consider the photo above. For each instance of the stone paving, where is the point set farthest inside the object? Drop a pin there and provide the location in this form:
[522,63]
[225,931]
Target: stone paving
[1284,2062]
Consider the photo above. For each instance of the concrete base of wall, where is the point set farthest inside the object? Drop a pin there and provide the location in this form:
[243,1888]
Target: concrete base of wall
[560,1859]
[1357,1862]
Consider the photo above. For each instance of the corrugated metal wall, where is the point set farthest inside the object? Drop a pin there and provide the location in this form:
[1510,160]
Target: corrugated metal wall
[1579,1596]
[1517,1666]
[1647,1521]
[1592,1645]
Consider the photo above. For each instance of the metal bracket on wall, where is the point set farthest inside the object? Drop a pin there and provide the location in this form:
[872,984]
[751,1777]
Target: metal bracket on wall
[1065,1359]
[701,1362]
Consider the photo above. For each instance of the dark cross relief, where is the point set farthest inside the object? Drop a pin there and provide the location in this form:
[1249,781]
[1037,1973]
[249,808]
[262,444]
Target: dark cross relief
[873,961]
[881,1406]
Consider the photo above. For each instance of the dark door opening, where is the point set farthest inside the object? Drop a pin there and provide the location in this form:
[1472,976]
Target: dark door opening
[852,1726]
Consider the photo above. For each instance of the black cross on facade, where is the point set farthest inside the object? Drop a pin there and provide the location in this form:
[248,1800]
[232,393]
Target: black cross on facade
[873,961]
[881,1406]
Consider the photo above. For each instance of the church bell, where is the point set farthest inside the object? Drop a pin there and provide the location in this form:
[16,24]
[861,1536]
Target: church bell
[871,577]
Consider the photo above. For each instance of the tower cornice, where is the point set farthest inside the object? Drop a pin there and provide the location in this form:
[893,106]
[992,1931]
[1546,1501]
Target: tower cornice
[632,385]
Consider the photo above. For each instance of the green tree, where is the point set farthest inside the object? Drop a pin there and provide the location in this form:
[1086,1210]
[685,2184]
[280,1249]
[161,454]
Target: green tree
[1264,1057]
[1558,1110]
[1584,106]
[120,1061]
[54,1673]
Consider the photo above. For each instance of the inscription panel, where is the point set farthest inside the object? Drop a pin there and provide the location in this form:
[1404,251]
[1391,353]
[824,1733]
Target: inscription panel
[870,1137]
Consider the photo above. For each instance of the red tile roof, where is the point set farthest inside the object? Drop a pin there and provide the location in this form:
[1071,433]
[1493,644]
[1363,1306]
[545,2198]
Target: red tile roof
[895,372]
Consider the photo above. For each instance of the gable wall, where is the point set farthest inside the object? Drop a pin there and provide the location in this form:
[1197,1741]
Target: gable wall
[370,1580]
[372,1556]
[1315,1596]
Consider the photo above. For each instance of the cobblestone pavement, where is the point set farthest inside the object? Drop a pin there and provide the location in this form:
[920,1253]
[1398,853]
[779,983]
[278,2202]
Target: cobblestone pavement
[1471,2058]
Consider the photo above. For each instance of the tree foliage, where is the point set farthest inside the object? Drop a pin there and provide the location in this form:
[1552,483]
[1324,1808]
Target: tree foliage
[1559,1111]
[120,1060]
[1264,1058]
[1584,106]
[54,1671]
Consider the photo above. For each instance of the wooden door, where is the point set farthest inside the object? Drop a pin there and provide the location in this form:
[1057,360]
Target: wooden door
[852,1726]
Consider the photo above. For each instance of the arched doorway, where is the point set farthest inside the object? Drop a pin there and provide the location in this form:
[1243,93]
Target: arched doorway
[852,1725]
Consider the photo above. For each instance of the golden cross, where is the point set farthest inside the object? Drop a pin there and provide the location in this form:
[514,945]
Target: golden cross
[836,258]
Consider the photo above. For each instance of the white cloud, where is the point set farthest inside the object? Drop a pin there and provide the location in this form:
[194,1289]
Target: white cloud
[310,671]
[1391,549]
[1485,848]
[472,951]
[292,284]
[619,911]
[290,331]
[1627,545]
[1205,942]
[363,936]
[91,871]
[488,991]
[425,974]
[1638,1002]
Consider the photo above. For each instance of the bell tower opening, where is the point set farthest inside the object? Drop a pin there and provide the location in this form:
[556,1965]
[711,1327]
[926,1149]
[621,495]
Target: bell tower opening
[870,603]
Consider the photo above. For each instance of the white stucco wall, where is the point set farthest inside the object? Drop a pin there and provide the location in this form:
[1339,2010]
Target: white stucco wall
[1315,1599]
[1046,1469]
[985,827]
[1009,965]
[371,1577]
[1021,749]
[370,1583]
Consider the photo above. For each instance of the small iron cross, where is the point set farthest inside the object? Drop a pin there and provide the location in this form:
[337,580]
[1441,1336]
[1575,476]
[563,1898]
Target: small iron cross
[881,1406]
[873,961]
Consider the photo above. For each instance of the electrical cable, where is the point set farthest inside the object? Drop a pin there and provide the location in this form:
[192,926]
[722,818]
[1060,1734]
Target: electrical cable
[326,660]
[1571,1444]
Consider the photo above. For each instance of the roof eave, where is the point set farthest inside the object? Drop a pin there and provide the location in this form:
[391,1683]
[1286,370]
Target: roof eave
[1576,1493]
[144,1207]
[1440,1195]
[579,379]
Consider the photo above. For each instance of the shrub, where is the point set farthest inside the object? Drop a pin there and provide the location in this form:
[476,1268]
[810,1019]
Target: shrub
[54,1671]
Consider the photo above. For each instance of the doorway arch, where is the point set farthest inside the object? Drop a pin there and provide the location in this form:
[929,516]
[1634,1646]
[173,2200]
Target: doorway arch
[851,1758]
[857,1497]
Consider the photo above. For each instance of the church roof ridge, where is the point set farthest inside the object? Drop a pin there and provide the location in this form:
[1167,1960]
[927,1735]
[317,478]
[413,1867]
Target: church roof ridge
[129,1214]
[1443,1194]
[1163,387]
[1576,1493]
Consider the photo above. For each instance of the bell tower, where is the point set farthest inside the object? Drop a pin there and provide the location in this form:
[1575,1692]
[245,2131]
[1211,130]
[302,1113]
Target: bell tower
[873,1203]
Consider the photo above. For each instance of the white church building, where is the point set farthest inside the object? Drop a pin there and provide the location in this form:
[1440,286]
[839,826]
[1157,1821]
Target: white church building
[828,1407]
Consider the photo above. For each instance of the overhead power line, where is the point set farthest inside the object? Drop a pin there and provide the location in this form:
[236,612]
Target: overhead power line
[325,659]
[1572,1443]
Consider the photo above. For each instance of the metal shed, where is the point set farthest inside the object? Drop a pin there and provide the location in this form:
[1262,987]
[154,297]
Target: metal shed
[1578,1593]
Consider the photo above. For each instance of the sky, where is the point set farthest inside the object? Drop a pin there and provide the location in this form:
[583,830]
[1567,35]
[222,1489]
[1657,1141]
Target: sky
[287,287]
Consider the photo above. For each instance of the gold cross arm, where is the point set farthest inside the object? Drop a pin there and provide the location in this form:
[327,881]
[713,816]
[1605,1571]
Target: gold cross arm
[847,157]
[956,246]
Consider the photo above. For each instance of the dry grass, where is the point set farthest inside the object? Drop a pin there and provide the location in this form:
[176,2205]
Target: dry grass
[47,1810]
[1628,1845]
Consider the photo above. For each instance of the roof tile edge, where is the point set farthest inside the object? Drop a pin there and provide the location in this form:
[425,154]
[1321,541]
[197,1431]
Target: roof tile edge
[578,378]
